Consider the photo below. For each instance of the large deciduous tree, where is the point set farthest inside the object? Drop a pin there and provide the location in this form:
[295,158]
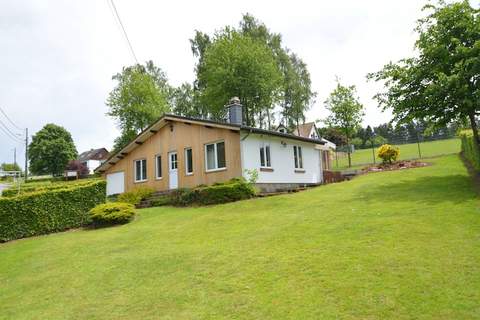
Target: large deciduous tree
[50,150]
[139,98]
[346,112]
[441,83]
[293,93]
[238,65]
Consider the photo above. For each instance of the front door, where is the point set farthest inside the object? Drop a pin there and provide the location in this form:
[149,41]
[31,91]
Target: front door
[173,170]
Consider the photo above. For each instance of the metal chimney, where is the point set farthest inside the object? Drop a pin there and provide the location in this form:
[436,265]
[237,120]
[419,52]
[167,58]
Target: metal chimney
[235,113]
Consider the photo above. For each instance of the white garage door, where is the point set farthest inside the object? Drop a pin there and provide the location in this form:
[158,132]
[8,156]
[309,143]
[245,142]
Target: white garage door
[115,183]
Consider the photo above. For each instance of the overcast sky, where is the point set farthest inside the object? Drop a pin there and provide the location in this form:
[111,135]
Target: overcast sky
[58,57]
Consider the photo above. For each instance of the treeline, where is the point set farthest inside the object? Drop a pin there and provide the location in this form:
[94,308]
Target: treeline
[365,137]
[248,61]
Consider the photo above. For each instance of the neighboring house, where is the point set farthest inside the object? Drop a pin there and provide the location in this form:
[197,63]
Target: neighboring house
[93,158]
[179,152]
[309,130]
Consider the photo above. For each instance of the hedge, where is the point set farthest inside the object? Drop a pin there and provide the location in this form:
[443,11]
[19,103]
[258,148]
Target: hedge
[469,148]
[233,190]
[27,188]
[49,211]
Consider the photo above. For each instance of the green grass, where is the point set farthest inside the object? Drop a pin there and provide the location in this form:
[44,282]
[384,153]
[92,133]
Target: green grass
[392,245]
[407,151]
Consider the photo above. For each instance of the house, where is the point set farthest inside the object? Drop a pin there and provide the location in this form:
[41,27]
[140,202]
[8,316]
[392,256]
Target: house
[182,152]
[93,158]
[309,130]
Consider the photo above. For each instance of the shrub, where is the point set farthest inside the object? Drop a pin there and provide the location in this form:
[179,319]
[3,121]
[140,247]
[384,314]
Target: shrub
[136,195]
[388,153]
[469,148]
[43,186]
[112,213]
[233,190]
[49,211]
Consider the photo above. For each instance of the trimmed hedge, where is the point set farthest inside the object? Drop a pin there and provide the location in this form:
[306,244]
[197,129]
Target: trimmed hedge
[233,190]
[469,148]
[108,214]
[35,187]
[49,211]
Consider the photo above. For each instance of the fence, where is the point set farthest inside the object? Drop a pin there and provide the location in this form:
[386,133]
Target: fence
[416,149]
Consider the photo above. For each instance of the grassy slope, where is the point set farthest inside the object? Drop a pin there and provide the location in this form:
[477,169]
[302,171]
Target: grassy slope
[407,151]
[398,245]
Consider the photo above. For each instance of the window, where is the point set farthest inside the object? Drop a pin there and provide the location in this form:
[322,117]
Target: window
[265,156]
[297,155]
[140,170]
[173,161]
[215,156]
[158,167]
[188,161]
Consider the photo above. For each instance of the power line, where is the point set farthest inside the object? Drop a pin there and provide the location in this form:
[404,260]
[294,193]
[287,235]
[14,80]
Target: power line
[10,135]
[124,32]
[9,120]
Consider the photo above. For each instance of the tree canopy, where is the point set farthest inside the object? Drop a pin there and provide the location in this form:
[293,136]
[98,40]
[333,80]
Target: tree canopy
[346,112]
[279,82]
[50,150]
[238,65]
[139,98]
[441,83]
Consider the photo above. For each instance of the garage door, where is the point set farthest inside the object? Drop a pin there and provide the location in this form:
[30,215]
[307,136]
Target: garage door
[115,183]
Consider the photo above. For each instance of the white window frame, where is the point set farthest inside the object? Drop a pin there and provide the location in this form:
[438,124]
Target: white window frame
[298,159]
[215,156]
[141,170]
[264,145]
[157,177]
[186,161]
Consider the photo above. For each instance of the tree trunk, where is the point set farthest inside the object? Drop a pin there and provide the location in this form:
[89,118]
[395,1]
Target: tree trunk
[473,125]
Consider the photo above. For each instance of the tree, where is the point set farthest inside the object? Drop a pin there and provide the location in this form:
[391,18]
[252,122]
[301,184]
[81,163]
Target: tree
[10,167]
[237,65]
[293,95]
[77,165]
[333,135]
[441,83]
[50,150]
[183,102]
[346,112]
[139,98]
[121,141]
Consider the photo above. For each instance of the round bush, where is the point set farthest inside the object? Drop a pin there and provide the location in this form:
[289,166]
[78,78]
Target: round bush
[112,213]
[388,153]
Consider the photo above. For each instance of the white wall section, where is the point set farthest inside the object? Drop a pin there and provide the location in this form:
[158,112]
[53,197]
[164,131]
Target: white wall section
[282,159]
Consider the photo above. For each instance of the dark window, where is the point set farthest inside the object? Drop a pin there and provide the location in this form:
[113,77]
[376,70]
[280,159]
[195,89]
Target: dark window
[140,170]
[188,161]
[297,155]
[158,167]
[215,156]
[221,155]
[265,156]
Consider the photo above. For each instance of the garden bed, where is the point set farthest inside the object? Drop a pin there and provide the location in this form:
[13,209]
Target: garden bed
[399,165]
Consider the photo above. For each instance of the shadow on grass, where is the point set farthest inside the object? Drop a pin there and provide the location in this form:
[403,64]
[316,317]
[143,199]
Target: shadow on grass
[428,189]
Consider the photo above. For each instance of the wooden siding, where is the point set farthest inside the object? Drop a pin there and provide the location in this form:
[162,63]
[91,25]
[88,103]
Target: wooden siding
[177,136]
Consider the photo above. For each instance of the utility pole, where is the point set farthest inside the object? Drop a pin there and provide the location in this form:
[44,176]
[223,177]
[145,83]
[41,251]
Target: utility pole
[15,157]
[26,154]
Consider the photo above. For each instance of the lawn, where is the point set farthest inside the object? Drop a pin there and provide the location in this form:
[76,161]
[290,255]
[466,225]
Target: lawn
[393,245]
[407,151]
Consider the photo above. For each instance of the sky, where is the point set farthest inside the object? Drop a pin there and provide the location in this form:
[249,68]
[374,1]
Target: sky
[58,57]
